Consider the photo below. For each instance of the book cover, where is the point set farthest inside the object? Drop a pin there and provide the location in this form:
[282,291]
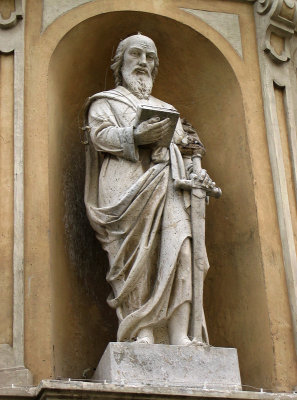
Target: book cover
[145,112]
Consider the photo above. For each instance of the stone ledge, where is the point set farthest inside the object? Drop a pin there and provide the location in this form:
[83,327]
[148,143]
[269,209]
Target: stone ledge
[60,389]
[17,376]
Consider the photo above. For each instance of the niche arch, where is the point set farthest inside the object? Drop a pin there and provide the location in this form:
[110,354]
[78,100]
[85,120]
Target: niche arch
[202,81]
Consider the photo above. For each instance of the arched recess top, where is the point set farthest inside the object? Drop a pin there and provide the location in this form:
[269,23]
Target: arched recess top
[55,32]
[205,79]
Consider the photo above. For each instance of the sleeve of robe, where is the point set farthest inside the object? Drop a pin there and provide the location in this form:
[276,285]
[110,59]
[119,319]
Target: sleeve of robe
[107,136]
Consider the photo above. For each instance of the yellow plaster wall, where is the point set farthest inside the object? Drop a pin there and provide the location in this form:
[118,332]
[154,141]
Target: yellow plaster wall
[67,321]
[38,295]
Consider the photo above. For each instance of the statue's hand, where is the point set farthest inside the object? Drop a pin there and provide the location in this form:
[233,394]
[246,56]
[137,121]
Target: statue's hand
[202,180]
[151,131]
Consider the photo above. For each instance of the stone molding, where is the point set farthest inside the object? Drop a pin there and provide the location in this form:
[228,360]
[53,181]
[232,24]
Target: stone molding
[14,17]
[12,357]
[53,9]
[75,389]
[225,24]
[279,18]
[263,6]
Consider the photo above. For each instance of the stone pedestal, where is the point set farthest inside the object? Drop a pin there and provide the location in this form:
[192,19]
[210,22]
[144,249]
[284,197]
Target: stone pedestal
[166,365]
[18,376]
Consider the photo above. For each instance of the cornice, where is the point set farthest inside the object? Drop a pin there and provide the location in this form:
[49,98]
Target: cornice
[279,18]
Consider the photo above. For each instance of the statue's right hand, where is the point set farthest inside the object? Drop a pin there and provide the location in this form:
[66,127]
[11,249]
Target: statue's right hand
[151,131]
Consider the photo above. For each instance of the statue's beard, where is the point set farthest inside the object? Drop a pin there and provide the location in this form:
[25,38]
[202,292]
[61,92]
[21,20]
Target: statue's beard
[140,85]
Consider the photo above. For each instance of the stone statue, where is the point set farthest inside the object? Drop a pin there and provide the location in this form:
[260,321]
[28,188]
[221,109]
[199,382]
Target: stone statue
[138,201]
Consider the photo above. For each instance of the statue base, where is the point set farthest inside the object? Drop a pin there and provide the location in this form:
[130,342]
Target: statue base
[204,367]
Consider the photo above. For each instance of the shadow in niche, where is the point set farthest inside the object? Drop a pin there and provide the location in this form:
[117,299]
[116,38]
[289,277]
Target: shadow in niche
[195,77]
[86,257]
[85,252]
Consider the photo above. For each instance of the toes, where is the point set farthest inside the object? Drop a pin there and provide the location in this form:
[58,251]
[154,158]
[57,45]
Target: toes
[197,342]
[144,340]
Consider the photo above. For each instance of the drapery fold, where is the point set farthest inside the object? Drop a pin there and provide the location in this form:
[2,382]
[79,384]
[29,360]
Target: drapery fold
[139,218]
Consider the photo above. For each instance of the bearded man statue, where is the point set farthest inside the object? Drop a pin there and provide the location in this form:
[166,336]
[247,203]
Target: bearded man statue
[140,219]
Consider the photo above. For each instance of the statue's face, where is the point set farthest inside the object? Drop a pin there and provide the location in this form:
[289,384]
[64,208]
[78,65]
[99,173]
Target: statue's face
[140,56]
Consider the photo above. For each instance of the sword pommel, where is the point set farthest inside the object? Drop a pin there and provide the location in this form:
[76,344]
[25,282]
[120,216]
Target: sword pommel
[215,192]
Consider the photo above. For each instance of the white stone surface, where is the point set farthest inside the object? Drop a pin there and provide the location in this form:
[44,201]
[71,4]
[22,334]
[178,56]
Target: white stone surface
[52,9]
[164,365]
[226,24]
[74,389]
[142,218]
[18,376]
[12,358]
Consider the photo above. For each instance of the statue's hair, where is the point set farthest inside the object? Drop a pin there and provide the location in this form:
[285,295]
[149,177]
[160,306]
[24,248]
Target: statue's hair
[117,61]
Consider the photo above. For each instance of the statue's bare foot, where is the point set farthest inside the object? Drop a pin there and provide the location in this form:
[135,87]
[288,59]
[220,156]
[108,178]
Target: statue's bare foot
[198,342]
[181,341]
[146,336]
[144,340]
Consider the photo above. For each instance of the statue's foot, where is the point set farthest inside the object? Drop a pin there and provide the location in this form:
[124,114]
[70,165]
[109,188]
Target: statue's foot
[198,342]
[181,341]
[145,335]
[145,340]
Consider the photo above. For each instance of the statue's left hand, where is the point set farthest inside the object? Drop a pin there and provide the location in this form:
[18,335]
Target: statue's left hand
[151,131]
[203,180]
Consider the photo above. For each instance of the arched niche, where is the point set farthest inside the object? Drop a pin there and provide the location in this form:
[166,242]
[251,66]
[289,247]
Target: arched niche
[197,79]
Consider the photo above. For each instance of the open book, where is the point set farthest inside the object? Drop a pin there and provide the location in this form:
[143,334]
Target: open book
[145,112]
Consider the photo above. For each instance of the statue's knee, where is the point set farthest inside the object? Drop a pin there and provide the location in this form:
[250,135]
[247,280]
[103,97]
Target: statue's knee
[185,251]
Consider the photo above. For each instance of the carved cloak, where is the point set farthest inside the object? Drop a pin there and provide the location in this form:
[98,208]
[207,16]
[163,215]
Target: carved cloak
[139,219]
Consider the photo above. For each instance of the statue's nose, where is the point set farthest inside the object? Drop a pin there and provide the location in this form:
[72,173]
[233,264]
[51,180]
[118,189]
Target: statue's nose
[142,60]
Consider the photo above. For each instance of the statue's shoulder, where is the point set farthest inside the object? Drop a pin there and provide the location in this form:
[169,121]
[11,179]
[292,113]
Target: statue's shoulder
[119,94]
[107,94]
[93,102]
[100,100]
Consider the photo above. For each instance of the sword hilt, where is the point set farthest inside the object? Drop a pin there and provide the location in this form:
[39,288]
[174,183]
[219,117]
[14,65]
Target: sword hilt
[189,184]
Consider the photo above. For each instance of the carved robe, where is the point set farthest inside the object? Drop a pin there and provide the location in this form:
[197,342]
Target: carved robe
[139,219]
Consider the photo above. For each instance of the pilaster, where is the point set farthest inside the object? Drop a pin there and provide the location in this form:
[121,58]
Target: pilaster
[276,22]
[12,369]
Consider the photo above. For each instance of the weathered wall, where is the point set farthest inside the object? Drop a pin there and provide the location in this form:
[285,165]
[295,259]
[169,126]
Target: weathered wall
[6,200]
[200,93]
[67,323]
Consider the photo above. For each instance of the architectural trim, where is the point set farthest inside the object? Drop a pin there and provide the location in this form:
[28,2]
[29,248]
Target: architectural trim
[75,389]
[278,17]
[14,17]
[225,24]
[263,6]
[280,20]
[53,9]
[12,358]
